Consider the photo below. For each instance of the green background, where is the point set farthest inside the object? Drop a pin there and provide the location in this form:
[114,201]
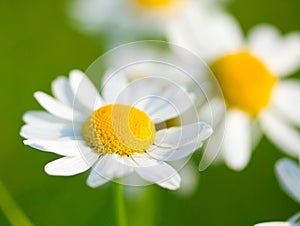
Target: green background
[38,43]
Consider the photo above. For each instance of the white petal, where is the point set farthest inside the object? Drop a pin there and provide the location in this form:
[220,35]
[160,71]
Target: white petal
[71,165]
[170,104]
[286,98]
[57,108]
[157,172]
[65,148]
[138,92]
[213,111]
[281,133]
[40,118]
[51,132]
[281,54]
[108,168]
[178,136]
[274,224]
[62,91]
[189,179]
[288,173]
[212,150]
[84,91]
[113,85]
[92,15]
[294,220]
[199,30]
[256,133]
[237,139]
[173,154]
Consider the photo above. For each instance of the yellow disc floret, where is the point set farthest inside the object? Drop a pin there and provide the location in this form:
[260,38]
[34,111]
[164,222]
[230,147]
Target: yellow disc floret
[245,81]
[119,129]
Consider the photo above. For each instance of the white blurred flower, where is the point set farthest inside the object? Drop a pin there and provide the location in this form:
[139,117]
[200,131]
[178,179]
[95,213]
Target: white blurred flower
[251,73]
[288,173]
[114,134]
[127,20]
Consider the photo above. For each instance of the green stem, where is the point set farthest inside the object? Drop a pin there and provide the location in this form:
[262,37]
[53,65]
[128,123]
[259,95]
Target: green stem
[11,209]
[120,206]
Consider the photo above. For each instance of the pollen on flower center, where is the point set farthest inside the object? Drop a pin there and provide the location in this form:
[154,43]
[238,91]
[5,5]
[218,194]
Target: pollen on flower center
[245,81]
[119,129]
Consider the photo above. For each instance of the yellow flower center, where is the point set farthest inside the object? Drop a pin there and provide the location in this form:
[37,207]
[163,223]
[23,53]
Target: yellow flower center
[159,6]
[245,81]
[119,129]
[154,3]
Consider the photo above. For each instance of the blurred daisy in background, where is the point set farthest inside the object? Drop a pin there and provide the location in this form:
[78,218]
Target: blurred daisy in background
[127,20]
[251,73]
[288,174]
[115,134]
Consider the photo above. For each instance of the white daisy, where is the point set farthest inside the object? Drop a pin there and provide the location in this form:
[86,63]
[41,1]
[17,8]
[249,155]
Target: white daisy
[288,173]
[114,134]
[251,75]
[127,20]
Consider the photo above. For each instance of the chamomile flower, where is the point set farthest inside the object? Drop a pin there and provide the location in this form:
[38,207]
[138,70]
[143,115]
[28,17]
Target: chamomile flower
[115,134]
[288,173]
[127,20]
[251,73]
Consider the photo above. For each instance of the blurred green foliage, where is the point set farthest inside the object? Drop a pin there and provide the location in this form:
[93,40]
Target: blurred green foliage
[38,43]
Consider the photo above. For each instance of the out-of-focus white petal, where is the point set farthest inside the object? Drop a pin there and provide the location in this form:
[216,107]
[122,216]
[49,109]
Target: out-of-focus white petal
[281,133]
[57,108]
[208,33]
[274,224]
[157,172]
[170,104]
[113,84]
[280,53]
[178,136]
[213,111]
[173,154]
[71,165]
[294,220]
[84,91]
[91,15]
[237,139]
[213,147]
[139,93]
[256,133]
[288,173]
[62,91]
[108,168]
[189,177]
[286,98]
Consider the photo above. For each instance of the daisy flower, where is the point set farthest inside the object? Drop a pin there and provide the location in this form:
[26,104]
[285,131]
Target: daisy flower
[252,74]
[115,134]
[127,20]
[288,173]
